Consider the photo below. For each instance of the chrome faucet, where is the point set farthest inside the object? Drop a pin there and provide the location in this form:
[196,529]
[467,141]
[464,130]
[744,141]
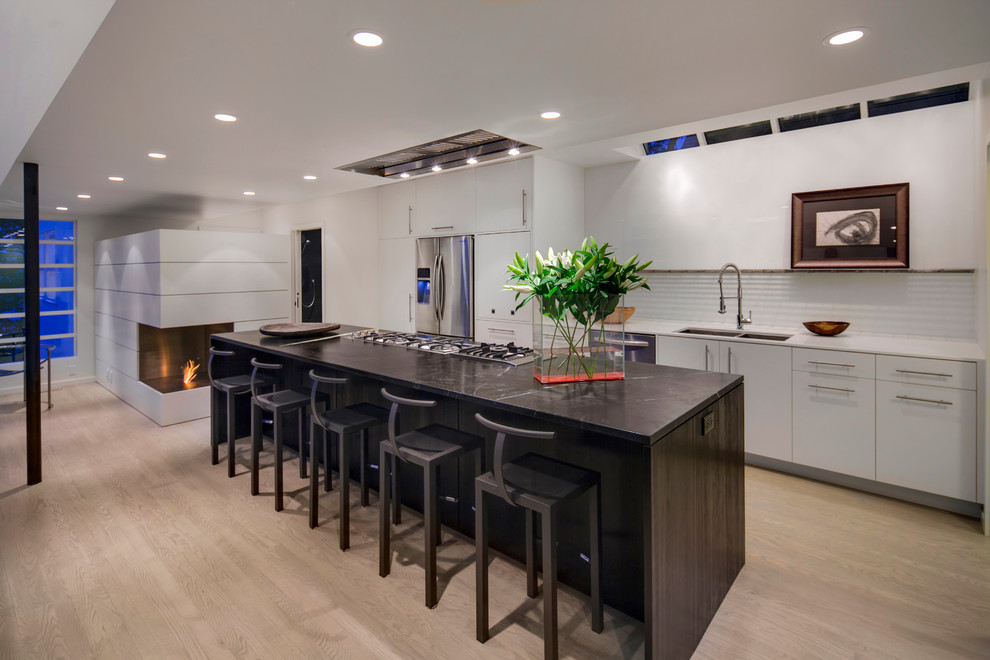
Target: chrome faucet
[721,296]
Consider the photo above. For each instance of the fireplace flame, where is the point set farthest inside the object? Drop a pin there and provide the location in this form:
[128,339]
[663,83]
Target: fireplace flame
[189,370]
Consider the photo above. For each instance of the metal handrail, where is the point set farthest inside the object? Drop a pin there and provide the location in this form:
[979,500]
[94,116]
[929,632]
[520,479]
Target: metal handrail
[45,361]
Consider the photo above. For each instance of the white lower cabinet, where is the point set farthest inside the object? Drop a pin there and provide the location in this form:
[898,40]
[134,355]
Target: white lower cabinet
[834,420]
[688,352]
[503,332]
[767,377]
[926,438]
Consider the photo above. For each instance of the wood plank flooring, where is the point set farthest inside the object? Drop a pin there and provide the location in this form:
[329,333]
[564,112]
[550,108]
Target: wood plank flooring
[134,546]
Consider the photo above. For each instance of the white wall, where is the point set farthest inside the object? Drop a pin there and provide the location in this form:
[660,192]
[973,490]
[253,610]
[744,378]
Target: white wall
[350,249]
[702,207]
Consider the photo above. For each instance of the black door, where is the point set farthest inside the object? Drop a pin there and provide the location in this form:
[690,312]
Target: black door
[311,275]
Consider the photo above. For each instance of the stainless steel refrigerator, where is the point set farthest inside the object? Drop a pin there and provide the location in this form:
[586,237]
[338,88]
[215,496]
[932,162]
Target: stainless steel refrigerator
[445,286]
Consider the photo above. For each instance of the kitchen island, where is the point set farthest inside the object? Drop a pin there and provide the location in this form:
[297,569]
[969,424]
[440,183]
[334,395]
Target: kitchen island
[668,443]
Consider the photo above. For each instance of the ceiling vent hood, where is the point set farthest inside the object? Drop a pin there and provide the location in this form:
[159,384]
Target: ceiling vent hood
[445,153]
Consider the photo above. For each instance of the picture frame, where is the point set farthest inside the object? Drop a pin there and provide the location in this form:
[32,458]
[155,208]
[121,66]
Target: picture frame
[865,227]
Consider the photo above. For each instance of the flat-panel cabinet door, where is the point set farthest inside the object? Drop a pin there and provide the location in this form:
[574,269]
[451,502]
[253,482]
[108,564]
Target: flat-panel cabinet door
[396,283]
[492,253]
[396,206]
[926,438]
[834,423]
[445,204]
[505,196]
[767,374]
[688,352]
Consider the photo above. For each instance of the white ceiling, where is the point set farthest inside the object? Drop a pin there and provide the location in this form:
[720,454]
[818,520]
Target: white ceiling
[308,99]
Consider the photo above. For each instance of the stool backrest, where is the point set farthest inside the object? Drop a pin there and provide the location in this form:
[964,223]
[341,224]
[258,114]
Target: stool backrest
[209,365]
[393,415]
[317,379]
[503,431]
[254,373]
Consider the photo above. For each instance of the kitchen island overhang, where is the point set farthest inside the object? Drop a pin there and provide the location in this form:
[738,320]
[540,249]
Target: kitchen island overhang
[667,441]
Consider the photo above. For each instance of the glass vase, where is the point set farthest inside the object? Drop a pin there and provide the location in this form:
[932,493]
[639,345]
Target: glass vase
[576,347]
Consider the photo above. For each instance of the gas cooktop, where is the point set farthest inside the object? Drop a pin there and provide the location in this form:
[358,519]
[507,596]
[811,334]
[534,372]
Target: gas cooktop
[501,353]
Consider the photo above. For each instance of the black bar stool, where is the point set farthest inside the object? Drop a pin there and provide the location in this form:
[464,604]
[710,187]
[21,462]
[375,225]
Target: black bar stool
[278,403]
[342,421]
[538,484]
[229,387]
[428,447]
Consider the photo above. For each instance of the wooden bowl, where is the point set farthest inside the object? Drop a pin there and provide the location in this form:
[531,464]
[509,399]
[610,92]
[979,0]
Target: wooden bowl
[826,328]
[620,315]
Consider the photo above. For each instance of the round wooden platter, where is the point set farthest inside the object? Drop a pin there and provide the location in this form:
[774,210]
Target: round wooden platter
[297,329]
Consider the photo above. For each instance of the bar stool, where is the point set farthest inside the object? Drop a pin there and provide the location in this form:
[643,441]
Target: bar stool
[428,447]
[229,387]
[342,421]
[538,484]
[278,403]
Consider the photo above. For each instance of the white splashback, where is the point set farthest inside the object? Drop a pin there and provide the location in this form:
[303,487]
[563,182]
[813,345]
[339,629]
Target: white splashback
[917,304]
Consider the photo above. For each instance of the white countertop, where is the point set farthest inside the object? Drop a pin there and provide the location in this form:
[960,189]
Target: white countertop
[850,340]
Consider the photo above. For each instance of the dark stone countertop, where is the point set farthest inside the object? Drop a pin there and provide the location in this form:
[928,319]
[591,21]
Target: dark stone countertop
[650,402]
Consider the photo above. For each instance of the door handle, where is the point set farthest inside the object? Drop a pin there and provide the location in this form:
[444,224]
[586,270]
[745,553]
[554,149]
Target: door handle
[410,218]
[913,398]
[728,361]
[524,207]
[436,287]
[922,373]
[834,389]
[443,287]
[706,357]
[410,308]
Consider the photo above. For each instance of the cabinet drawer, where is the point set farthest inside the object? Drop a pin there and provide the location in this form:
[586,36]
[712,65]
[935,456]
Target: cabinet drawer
[521,334]
[861,365]
[926,438]
[926,371]
[834,420]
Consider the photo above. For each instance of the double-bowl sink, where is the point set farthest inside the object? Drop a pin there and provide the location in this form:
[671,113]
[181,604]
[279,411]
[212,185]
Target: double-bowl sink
[734,334]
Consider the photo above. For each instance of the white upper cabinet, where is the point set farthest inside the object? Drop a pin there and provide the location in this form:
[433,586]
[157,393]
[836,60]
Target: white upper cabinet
[445,204]
[492,252]
[505,196]
[397,283]
[396,207]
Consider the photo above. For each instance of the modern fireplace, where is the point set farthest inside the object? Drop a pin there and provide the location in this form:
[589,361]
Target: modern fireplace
[167,355]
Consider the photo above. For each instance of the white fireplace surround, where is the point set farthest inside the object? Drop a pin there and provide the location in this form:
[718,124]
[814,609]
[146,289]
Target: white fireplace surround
[173,278]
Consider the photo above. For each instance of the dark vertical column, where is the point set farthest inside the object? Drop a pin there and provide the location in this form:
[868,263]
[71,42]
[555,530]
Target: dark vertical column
[32,322]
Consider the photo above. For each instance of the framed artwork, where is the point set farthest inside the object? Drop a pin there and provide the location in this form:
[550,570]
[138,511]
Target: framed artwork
[863,227]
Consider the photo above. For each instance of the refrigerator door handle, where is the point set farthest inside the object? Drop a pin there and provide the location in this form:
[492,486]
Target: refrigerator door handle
[443,288]
[436,287]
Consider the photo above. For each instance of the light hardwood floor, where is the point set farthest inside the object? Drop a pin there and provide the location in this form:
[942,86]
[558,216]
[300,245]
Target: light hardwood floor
[134,546]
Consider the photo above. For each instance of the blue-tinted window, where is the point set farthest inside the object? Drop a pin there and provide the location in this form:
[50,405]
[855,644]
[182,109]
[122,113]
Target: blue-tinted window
[57,324]
[52,278]
[11,353]
[56,230]
[57,301]
[671,144]
[11,229]
[11,328]
[11,253]
[64,346]
[11,303]
[57,253]
[11,278]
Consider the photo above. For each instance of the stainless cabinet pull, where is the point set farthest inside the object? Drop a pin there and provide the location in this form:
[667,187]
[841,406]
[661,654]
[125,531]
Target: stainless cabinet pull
[443,227]
[728,365]
[922,373]
[511,332]
[410,218]
[635,343]
[911,398]
[706,357]
[832,364]
[524,206]
[826,387]
[410,307]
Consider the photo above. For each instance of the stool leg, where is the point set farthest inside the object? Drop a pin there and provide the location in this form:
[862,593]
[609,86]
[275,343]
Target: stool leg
[364,467]
[481,564]
[327,446]
[231,433]
[597,615]
[549,586]
[343,452]
[396,499]
[314,477]
[278,462]
[384,532]
[302,444]
[431,523]
[214,436]
[255,446]
[531,589]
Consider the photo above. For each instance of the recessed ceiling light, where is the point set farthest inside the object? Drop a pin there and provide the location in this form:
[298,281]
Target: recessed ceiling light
[436,168]
[550,114]
[83,196]
[249,193]
[513,152]
[115,178]
[223,117]
[309,177]
[845,36]
[472,161]
[155,154]
[404,175]
[365,38]
[61,208]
